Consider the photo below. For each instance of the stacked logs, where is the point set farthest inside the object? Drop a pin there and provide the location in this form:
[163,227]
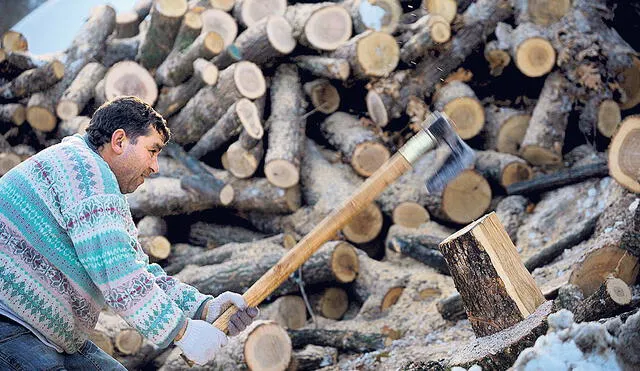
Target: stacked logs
[280,109]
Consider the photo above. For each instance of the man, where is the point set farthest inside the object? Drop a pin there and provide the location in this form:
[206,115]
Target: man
[68,248]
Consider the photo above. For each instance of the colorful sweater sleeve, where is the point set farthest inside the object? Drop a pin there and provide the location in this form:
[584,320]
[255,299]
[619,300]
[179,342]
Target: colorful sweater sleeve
[188,298]
[98,229]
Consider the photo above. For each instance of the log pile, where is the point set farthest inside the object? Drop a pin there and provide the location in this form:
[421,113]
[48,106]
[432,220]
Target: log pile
[280,109]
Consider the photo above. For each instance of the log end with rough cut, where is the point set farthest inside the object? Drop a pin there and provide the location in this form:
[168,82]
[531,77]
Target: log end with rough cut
[630,84]
[8,161]
[268,347]
[376,108]
[609,117]
[444,8]
[13,41]
[220,22]
[241,162]
[128,341]
[282,173]
[328,28]
[324,96]
[365,226]
[466,198]
[344,262]
[594,269]
[516,172]
[511,134]
[546,12]
[280,34]
[410,215]
[378,54]
[440,30]
[535,57]
[468,115]
[254,10]
[249,80]
[624,154]
[225,5]
[537,155]
[333,303]
[368,157]
[40,118]
[130,78]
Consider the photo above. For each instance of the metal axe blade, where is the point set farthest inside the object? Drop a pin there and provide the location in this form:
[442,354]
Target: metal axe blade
[460,156]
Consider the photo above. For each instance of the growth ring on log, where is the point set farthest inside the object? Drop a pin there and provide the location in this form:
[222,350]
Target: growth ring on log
[365,226]
[249,80]
[410,215]
[546,12]
[378,54]
[279,34]
[344,262]
[609,117]
[468,115]
[445,8]
[130,78]
[328,28]
[254,10]
[511,134]
[41,118]
[535,57]
[377,109]
[624,154]
[466,198]
[268,347]
[516,172]
[368,157]
[600,264]
[631,84]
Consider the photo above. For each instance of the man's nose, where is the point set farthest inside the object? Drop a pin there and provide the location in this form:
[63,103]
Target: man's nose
[154,165]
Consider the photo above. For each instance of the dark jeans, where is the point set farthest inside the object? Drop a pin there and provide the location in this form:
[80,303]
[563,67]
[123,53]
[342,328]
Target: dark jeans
[20,349]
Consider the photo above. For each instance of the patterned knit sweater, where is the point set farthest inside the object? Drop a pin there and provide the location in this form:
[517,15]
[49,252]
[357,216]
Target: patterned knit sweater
[68,247]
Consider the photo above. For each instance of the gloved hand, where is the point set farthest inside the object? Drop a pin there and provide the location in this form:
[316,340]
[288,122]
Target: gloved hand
[239,320]
[201,341]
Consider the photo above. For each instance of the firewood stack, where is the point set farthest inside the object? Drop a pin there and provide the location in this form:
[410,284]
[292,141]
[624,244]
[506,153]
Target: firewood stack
[280,109]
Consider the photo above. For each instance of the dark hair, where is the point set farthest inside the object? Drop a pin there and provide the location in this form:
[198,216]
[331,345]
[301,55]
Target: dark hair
[131,114]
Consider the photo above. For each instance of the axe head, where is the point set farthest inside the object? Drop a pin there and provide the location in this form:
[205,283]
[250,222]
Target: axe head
[459,156]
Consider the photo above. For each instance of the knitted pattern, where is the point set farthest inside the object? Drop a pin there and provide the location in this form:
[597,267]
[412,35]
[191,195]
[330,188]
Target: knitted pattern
[68,247]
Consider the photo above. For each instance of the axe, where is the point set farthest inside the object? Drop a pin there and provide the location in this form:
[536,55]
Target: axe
[437,131]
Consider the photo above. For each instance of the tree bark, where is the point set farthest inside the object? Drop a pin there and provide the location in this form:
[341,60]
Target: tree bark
[33,80]
[549,182]
[163,29]
[420,244]
[512,211]
[347,341]
[80,92]
[288,311]
[502,168]
[331,68]
[611,298]
[214,235]
[13,113]
[425,34]
[308,22]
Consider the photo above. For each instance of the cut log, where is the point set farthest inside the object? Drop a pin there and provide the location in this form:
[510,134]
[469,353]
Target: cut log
[511,211]
[8,160]
[323,95]
[502,168]
[360,144]
[14,41]
[444,8]
[125,339]
[370,54]
[543,141]
[120,50]
[324,26]
[624,154]
[130,78]
[286,128]
[497,55]
[630,84]
[127,24]
[75,125]
[608,117]
[347,341]
[394,92]
[103,341]
[331,68]
[332,303]
[14,63]
[242,79]
[13,113]
[434,29]
[156,247]
[314,357]
[335,262]
[166,17]
[420,244]
[288,311]
[380,15]
[410,215]
[171,100]
[569,298]
[226,5]
[541,12]
[549,182]
[611,299]
[152,226]
[459,102]
[214,235]
[33,80]
[530,49]
[220,22]
[165,196]
[496,288]
[189,30]
[249,12]
[505,128]
[262,43]
[379,286]
[179,64]
[99,95]
[463,200]
[452,308]
[499,351]
[242,113]
[80,91]
[258,194]
[243,162]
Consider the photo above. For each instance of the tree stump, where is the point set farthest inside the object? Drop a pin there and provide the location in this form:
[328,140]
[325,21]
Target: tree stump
[497,290]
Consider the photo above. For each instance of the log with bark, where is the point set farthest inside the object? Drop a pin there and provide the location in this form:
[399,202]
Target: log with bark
[460,103]
[425,34]
[370,54]
[611,298]
[332,303]
[347,341]
[496,288]
[558,179]
[189,30]
[288,311]
[623,154]
[505,128]
[381,15]
[530,48]
[220,22]
[75,125]
[152,226]
[331,68]
[447,9]
[286,128]
[497,54]
[240,80]
[360,144]
[14,41]
[130,78]
[13,113]
[33,80]
[323,95]
[249,12]
[166,17]
[420,244]
[512,210]
[80,92]
[324,26]
[214,235]
[502,168]
[314,357]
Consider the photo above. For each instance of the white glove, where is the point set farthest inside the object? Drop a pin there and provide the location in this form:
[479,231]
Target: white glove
[239,320]
[201,341]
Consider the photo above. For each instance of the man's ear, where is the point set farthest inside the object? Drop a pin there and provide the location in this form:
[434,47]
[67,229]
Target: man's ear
[117,141]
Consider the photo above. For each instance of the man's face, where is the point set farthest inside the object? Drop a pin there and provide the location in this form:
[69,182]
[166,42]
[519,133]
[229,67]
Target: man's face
[137,161]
